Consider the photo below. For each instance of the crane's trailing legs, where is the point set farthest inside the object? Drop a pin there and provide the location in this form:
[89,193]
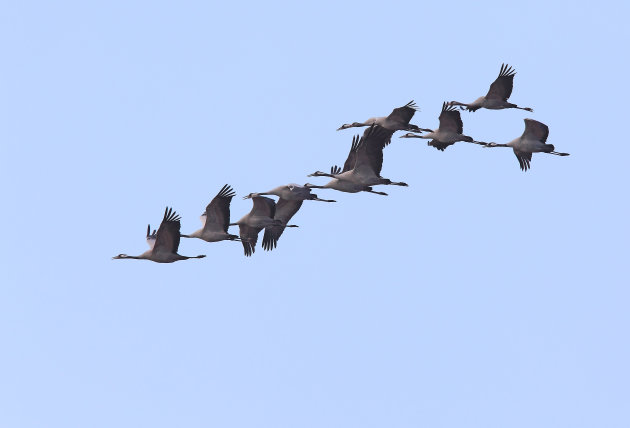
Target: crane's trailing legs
[531,110]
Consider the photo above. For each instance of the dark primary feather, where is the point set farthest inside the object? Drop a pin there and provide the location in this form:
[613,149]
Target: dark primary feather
[450,119]
[370,150]
[218,210]
[405,113]
[524,158]
[285,210]
[501,88]
[168,232]
[352,156]
[249,237]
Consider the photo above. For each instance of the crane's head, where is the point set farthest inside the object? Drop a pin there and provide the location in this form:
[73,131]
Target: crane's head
[410,135]
[251,195]
[350,125]
[121,256]
[495,145]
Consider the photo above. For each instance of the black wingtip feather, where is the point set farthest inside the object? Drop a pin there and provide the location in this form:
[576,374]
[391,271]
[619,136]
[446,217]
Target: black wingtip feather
[226,192]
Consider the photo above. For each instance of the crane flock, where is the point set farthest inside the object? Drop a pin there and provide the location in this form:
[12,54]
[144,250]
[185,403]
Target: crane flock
[361,171]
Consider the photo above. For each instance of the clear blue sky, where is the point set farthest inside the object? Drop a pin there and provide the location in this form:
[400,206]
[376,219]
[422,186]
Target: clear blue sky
[480,296]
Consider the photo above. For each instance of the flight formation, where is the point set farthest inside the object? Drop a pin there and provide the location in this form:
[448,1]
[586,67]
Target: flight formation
[360,173]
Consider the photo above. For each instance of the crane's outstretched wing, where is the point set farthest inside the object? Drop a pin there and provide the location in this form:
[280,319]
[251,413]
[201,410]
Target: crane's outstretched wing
[405,113]
[450,119]
[352,156]
[151,237]
[524,158]
[285,210]
[167,238]
[218,210]
[535,130]
[370,151]
[263,206]
[501,88]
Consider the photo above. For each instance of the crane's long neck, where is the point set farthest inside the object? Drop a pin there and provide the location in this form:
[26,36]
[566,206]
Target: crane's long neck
[354,125]
[201,256]
[498,145]
[430,134]
[461,105]
[195,234]
[314,197]
[320,174]
[125,256]
[529,109]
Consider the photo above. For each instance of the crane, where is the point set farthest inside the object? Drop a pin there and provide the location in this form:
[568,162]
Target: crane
[362,167]
[449,131]
[260,217]
[398,120]
[498,94]
[164,243]
[216,218]
[533,140]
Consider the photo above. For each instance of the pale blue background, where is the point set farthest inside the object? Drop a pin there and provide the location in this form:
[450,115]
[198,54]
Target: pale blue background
[480,296]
